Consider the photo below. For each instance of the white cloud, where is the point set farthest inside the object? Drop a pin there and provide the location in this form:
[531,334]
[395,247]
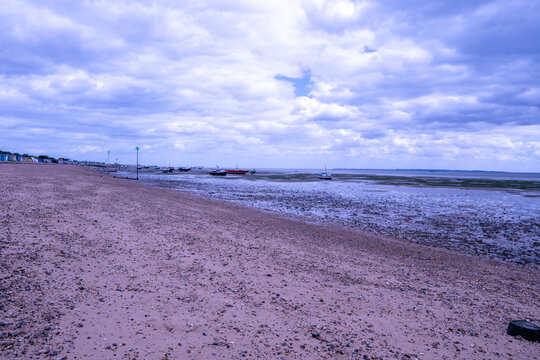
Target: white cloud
[335,14]
[194,77]
[88,148]
[311,108]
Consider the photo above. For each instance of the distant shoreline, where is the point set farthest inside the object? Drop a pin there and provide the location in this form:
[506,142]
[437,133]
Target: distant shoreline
[444,170]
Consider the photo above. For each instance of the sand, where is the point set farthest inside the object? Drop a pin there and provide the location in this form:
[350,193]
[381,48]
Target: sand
[102,268]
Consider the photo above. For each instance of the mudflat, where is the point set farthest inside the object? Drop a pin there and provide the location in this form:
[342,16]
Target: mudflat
[102,268]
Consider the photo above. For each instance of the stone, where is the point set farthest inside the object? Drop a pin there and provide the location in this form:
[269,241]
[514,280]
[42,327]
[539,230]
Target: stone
[525,329]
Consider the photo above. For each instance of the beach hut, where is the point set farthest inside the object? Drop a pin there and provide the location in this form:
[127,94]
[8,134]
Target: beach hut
[44,159]
[4,156]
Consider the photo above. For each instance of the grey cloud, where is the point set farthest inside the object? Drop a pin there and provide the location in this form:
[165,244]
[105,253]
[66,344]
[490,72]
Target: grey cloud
[431,9]
[204,74]
[375,134]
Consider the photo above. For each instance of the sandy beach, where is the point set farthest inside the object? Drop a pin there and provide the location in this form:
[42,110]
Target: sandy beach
[94,267]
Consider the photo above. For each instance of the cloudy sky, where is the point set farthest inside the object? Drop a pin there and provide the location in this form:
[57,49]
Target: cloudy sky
[366,84]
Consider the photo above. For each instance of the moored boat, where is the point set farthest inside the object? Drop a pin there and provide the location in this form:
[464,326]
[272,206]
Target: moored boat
[325,175]
[184,169]
[237,171]
[218,172]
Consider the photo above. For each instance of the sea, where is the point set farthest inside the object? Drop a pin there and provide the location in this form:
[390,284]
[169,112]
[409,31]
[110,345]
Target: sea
[489,214]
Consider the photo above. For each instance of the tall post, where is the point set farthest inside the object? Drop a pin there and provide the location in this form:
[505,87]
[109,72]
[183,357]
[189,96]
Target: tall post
[108,157]
[137,148]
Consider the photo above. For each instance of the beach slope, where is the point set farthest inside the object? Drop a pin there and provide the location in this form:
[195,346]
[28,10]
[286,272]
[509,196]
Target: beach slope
[100,268]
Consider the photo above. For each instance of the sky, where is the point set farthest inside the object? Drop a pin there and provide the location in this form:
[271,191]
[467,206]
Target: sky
[282,83]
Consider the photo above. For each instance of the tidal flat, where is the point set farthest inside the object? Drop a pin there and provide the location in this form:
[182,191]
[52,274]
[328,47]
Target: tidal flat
[490,214]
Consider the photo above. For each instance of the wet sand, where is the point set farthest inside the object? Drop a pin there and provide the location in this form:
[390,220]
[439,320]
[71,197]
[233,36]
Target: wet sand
[96,267]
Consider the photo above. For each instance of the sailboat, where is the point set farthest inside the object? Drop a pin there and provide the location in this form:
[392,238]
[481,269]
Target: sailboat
[325,174]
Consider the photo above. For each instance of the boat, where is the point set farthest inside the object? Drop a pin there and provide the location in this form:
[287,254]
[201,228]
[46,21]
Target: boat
[218,172]
[184,169]
[237,171]
[325,175]
[167,169]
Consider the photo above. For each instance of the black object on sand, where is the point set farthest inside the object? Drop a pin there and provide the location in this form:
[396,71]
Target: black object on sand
[525,329]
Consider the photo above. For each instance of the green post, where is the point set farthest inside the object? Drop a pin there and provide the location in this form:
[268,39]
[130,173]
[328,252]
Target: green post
[137,148]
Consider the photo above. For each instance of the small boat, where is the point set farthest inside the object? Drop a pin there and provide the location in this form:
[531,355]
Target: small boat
[184,169]
[237,171]
[325,175]
[167,169]
[218,172]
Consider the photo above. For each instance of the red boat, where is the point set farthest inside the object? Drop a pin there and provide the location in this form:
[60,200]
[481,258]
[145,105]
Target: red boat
[237,171]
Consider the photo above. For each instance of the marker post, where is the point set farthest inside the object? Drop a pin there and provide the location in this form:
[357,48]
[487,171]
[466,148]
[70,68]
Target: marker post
[137,167]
